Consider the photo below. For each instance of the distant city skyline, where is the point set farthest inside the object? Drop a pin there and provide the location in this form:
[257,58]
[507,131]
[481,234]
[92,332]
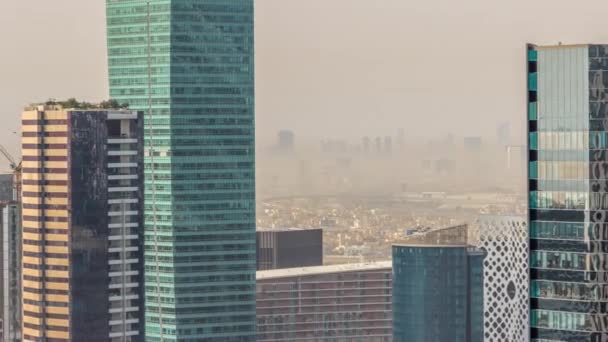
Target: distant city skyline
[374,71]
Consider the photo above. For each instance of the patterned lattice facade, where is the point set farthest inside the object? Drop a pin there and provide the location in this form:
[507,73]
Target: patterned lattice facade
[504,239]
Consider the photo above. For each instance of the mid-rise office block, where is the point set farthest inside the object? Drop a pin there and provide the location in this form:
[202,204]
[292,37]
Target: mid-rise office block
[325,303]
[10,268]
[81,216]
[568,186]
[189,65]
[437,291]
[287,248]
[504,239]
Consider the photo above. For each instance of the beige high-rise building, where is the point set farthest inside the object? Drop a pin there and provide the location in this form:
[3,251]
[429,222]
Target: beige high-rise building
[82,207]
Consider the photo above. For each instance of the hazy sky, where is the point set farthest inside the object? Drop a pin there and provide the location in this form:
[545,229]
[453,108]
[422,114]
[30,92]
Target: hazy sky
[341,68]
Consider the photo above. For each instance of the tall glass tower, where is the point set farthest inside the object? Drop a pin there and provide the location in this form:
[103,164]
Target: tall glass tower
[568,192]
[189,65]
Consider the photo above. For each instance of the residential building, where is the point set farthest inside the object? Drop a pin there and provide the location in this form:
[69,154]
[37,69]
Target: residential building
[10,268]
[289,247]
[438,288]
[504,239]
[81,216]
[349,302]
[567,142]
[189,65]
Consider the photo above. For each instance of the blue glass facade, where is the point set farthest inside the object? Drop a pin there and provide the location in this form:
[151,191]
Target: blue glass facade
[568,182]
[189,64]
[437,293]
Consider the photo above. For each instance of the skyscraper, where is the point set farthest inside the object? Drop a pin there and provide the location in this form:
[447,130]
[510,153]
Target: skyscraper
[6,187]
[568,138]
[81,217]
[438,288]
[189,65]
[10,267]
[286,141]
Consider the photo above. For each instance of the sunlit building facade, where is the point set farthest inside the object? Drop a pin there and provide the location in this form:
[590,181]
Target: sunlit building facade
[568,184]
[81,225]
[189,65]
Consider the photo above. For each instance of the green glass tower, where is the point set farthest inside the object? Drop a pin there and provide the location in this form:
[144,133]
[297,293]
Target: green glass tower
[189,65]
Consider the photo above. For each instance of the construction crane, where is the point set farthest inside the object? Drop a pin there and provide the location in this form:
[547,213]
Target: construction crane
[16,167]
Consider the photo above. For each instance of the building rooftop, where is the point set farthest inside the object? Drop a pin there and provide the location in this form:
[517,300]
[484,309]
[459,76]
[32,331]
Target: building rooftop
[423,245]
[561,45]
[327,269]
[285,229]
[456,236]
[73,104]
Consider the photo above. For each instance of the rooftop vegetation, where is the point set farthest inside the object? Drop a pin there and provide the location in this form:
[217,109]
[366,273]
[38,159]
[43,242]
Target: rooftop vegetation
[75,104]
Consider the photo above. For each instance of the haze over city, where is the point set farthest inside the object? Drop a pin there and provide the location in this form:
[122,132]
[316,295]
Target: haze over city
[311,170]
[340,68]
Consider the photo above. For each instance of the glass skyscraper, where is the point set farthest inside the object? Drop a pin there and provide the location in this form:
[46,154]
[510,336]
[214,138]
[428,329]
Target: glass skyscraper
[437,293]
[438,285]
[189,65]
[568,185]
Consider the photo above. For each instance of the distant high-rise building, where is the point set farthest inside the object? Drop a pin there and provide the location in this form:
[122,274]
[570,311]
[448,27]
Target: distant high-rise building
[449,139]
[388,145]
[366,144]
[503,133]
[10,267]
[400,139]
[349,302]
[438,288]
[189,65]
[81,217]
[568,207]
[378,145]
[286,141]
[505,289]
[6,188]
[444,166]
[290,247]
[472,144]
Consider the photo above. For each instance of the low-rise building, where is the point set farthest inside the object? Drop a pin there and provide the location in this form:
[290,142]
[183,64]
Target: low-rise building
[289,247]
[326,303]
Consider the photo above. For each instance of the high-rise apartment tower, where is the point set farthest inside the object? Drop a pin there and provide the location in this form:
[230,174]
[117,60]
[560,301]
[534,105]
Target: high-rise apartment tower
[189,65]
[568,186]
[81,216]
